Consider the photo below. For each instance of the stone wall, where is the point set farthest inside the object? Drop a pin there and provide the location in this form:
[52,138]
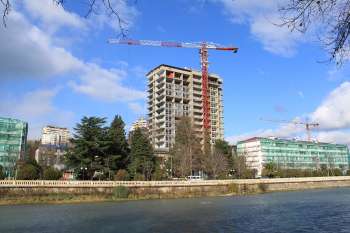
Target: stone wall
[165,189]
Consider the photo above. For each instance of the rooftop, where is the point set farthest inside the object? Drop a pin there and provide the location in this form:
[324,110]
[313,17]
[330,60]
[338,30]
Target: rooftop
[288,140]
[186,69]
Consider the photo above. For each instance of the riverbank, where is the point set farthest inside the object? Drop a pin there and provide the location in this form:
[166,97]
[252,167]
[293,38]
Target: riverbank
[39,191]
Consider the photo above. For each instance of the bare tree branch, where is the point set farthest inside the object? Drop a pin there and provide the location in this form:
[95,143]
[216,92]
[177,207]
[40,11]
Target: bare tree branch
[7,7]
[332,15]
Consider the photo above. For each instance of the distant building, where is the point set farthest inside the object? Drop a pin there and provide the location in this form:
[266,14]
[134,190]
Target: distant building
[292,154]
[54,143]
[140,123]
[55,136]
[13,139]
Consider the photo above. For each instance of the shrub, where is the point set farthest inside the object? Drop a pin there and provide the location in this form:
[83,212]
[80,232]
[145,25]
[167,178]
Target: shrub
[28,172]
[122,175]
[139,177]
[2,173]
[121,192]
[52,174]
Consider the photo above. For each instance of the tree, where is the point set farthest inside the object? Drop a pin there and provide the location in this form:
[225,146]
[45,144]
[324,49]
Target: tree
[90,143]
[270,170]
[216,164]
[111,8]
[28,172]
[51,173]
[118,148]
[2,173]
[31,148]
[186,150]
[332,15]
[142,159]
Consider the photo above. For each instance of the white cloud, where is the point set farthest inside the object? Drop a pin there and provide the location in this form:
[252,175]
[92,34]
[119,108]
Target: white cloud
[36,107]
[26,51]
[340,137]
[33,55]
[334,112]
[53,16]
[263,17]
[283,131]
[333,115]
[105,85]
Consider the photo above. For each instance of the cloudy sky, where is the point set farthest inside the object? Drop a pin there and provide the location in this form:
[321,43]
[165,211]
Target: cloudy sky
[55,65]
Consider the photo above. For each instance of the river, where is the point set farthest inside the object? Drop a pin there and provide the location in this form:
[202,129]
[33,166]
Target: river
[326,210]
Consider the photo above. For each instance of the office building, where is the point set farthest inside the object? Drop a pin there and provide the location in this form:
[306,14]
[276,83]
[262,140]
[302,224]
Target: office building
[292,154]
[13,139]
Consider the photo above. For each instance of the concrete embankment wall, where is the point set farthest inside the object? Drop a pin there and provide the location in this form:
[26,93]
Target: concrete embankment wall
[165,189]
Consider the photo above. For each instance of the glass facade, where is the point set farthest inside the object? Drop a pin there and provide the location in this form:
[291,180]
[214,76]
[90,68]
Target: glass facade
[13,139]
[293,153]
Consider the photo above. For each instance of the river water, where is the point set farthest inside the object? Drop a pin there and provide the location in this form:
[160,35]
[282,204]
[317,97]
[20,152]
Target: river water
[326,210]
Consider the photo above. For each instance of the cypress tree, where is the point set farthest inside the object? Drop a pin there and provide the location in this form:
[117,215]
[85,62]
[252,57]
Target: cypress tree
[118,148]
[141,156]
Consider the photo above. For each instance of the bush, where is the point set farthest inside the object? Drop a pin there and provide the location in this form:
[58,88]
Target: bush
[2,173]
[28,172]
[52,174]
[121,192]
[139,177]
[122,175]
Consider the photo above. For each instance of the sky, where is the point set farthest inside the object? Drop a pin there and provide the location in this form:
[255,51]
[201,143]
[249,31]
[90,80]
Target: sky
[56,65]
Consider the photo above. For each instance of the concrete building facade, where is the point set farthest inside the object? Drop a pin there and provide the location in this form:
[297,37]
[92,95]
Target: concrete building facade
[55,136]
[292,154]
[175,92]
[13,140]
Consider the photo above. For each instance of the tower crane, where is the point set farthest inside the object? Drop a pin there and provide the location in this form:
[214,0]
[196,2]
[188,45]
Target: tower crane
[203,51]
[308,125]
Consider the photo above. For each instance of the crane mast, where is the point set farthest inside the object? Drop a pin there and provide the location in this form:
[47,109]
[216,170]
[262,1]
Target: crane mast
[203,51]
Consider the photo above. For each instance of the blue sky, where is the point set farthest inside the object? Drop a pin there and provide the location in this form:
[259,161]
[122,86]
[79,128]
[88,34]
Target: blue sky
[57,67]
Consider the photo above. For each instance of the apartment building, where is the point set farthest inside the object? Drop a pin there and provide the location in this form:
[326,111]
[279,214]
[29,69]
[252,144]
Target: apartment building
[174,92]
[55,136]
[139,124]
[292,154]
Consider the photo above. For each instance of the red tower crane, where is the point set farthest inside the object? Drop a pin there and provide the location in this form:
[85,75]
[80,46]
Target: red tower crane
[203,51]
[308,125]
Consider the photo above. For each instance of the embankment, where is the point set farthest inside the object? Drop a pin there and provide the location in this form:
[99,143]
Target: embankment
[45,191]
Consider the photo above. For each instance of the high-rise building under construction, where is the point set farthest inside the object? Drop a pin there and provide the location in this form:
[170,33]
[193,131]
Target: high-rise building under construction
[174,92]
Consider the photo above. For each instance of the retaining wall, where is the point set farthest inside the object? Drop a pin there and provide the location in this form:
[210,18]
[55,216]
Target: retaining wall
[166,189]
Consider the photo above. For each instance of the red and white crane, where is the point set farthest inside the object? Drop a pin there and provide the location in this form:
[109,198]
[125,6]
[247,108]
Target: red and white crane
[203,51]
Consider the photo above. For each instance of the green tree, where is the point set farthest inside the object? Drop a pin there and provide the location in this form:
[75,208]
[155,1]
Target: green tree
[2,173]
[118,148]
[142,159]
[51,173]
[88,154]
[28,172]
[270,170]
